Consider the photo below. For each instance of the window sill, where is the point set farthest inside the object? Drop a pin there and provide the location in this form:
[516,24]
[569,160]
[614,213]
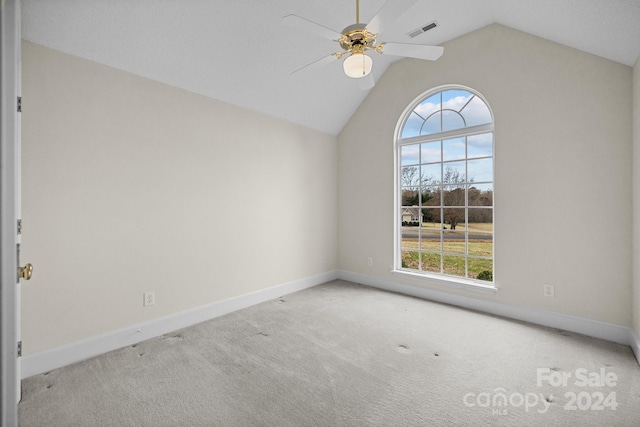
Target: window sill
[466,284]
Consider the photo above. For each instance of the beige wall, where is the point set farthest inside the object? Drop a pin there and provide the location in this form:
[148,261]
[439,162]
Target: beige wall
[636,197]
[130,185]
[563,170]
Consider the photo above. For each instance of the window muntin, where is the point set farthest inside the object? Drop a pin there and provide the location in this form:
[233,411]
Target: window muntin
[445,206]
[445,111]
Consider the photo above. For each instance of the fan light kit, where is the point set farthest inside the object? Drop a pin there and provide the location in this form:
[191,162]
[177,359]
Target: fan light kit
[357,65]
[357,39]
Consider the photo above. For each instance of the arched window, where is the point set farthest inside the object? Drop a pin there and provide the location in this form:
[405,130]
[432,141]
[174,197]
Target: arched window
[444,180]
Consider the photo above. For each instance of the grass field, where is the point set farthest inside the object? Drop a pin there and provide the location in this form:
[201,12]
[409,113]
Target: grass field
[431,248]
[453,265]
[476,247]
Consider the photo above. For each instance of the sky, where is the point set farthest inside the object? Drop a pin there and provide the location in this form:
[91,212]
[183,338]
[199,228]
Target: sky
[445,111]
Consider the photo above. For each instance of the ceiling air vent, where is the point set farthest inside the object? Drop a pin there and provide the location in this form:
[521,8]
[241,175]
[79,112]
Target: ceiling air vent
[423,29]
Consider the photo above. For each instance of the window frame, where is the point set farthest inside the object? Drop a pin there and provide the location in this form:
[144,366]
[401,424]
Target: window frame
[439,278]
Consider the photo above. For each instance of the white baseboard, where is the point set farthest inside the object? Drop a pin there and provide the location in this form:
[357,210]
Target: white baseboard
[44,361]
[635,344]
[620,334]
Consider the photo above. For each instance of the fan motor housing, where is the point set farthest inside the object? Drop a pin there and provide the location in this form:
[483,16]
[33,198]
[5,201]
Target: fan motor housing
[357,35]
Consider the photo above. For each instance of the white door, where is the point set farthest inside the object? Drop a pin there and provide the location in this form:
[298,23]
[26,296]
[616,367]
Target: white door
[10,71]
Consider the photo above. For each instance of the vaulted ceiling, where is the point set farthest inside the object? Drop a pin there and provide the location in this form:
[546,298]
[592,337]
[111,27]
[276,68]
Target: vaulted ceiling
[239,51]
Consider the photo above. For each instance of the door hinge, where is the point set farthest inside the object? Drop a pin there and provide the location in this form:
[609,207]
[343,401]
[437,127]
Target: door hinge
[19,104]
[19,226]
[19,348]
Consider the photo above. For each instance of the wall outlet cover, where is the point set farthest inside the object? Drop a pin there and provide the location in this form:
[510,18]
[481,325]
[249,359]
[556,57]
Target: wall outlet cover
[149,299]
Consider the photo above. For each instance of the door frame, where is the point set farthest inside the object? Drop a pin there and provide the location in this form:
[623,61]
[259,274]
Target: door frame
[10,36]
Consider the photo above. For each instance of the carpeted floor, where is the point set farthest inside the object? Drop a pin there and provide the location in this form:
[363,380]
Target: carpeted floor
[342,354]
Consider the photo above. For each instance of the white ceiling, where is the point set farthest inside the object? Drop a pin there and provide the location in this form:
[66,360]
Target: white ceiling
[239,52]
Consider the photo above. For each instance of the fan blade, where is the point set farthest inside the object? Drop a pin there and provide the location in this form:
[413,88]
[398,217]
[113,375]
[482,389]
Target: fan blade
[418,51]
[318,63]
[388,13]
[366,82]
[299,23]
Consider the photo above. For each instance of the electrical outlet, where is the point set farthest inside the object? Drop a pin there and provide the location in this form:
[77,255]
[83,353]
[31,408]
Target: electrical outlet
[549,291]
[149,299]
[369,262]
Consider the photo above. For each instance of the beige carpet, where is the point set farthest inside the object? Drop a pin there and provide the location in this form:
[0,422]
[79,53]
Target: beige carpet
[342,354]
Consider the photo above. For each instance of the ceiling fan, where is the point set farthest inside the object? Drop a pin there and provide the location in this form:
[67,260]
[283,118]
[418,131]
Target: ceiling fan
[357,39]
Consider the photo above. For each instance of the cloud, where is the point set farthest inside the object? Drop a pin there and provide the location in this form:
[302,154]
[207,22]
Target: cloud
[453,149]
[476,112]
[480,145]
[428,106]
[481,170]
[431,152]
[410,154]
